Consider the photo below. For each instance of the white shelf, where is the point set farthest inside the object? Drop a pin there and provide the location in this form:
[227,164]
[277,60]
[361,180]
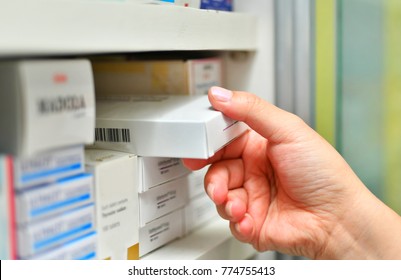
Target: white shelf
[49,27]
[213,241]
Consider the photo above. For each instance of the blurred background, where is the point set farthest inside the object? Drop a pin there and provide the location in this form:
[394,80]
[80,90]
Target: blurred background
[338,66]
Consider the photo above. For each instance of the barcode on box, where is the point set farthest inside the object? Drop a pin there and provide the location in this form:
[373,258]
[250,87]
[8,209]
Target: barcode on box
[112,135]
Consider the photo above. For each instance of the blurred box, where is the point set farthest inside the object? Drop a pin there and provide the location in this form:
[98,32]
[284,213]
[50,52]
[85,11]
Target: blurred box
[160,232]
[157,77]
[49,200]
[8,246]
[37,237]
[82,248]
[163,199]
[168,126]
[116,190]
[221,5]
[45,104]
[48,167]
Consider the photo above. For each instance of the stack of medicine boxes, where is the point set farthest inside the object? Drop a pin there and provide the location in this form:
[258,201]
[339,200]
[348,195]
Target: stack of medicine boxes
[164,184]
[47,111]
[138,198]
[172,200]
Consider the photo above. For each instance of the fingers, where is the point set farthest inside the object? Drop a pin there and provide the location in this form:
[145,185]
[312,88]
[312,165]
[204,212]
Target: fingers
[244,230]
[268,120]
[235,207]
[222,177]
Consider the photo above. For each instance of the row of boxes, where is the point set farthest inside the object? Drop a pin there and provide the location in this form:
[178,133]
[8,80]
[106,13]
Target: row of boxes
[135,116]
[44,214]
[132,214]
[59,201]
[48,115]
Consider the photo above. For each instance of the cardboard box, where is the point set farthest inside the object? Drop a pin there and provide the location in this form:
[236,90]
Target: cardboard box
[198,212]
[154,171]
[160,231]
[45,104]
[168,126]
[82,248]
[48,167]
[116,190]
[157,77]
[49,200]
[163,199]
[34,238]
[8,247]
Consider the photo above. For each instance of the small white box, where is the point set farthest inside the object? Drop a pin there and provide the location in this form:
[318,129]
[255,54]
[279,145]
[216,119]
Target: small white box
[45,104]
[160,231]
[46,201]
[116,191]
[163,199]
[199,211]
[196,182]
[82,248]
[48,167]
[154,171]
[168,126]
[50,233]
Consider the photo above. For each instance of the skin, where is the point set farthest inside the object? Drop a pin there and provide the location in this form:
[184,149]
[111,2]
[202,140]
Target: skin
[284,188]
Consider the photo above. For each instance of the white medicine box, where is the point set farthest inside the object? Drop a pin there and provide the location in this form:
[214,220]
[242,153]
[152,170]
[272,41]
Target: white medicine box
[164,126]
[117,209]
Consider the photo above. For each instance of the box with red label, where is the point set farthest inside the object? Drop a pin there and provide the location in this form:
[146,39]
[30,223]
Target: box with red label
[45,104]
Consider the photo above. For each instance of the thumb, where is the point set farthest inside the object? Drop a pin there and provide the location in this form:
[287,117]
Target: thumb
[271,122]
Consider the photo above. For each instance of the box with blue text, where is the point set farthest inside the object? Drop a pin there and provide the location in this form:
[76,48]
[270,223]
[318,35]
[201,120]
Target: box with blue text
[82,248]
[37,237]
[49,200]
[48,167]
[221,5]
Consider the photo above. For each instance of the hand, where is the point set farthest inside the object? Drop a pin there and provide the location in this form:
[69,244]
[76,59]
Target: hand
[281,185]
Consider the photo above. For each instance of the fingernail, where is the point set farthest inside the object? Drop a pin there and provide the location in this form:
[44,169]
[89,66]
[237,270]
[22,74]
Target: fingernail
[221,94]
[210,190]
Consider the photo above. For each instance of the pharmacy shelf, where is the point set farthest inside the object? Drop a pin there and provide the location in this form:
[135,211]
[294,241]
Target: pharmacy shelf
[212,241]
[62,27]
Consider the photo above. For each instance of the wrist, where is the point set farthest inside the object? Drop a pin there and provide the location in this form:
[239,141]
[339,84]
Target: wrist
[367,230]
